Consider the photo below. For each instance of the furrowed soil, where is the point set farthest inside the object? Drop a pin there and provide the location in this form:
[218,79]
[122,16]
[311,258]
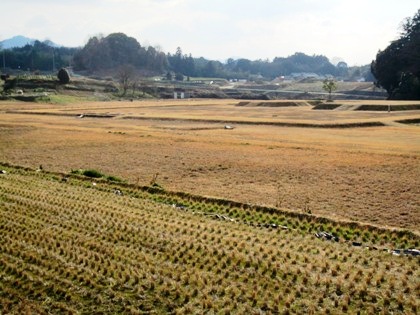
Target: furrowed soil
[369,175]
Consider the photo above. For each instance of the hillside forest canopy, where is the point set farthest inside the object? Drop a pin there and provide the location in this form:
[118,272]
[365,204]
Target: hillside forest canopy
[106,54]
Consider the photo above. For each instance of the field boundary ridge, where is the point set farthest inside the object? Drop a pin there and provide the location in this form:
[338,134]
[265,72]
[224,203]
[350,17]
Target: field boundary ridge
[300,221]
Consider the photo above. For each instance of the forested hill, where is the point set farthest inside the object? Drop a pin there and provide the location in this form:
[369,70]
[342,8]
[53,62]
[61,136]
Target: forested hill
[107,54]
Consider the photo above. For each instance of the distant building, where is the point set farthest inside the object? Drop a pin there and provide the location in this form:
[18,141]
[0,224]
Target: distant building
[180,95]
[303,75]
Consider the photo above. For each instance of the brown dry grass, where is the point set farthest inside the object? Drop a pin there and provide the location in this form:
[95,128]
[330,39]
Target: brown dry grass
[362,174]
[70,247]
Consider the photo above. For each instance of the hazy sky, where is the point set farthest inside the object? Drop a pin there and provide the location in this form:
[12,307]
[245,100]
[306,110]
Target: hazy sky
[353,30]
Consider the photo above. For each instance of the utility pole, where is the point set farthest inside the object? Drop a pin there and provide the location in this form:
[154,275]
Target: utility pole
[4,60]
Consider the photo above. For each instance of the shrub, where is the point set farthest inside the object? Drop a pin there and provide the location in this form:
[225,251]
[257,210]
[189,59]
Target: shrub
[179,77]
[96,174]
[10,84]
[3,77]
[114,178]
[89,173]
[92,173]
[63,76]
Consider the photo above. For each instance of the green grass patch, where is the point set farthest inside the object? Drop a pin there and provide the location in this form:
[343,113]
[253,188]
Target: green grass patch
[92,173]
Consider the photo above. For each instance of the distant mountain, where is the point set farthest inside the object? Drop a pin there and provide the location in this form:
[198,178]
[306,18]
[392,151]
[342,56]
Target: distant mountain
[51,43]
[20,41]
[16,41]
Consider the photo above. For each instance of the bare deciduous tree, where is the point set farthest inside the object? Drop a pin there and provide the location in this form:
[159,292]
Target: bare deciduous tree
[329,86]
[126,75]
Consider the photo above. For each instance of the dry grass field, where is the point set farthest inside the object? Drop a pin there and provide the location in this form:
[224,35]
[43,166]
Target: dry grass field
[367,174]
[289,210]
[81,246]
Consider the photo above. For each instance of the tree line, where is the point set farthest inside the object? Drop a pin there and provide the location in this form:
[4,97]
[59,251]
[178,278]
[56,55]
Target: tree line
[39,56]
[253,69]
[107,54]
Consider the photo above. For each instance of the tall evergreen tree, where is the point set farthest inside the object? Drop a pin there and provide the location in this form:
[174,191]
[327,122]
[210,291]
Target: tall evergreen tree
[397,68]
